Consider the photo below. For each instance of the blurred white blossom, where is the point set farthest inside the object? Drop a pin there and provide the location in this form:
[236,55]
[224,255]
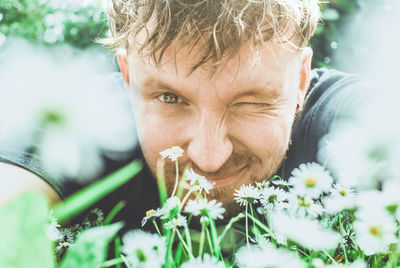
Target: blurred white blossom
[65,106]
[206,261]
[144,249]
[267,256]
[311,180]
[375,231]
[308,233]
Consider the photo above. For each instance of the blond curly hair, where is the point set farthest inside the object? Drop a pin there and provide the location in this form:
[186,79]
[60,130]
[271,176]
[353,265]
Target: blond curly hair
[219,27]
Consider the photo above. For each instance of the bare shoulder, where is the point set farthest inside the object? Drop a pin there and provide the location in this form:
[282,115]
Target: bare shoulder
[15,180]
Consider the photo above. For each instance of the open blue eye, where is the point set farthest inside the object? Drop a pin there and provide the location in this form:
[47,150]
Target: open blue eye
[168,98]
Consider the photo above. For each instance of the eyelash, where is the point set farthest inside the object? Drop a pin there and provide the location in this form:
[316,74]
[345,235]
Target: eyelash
[162,97]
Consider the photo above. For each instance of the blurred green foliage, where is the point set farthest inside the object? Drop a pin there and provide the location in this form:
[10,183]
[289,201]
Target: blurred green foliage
[53,22]
[80,22]
[336,14]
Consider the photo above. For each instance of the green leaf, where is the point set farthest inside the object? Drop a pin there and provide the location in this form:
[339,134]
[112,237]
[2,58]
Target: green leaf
[90,249]
[91,194]
[24,242]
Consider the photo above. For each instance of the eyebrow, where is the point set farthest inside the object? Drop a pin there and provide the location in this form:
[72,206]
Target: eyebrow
[153,82]
[256,92]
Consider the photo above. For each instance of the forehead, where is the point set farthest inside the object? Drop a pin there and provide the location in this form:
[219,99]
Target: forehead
[267,67]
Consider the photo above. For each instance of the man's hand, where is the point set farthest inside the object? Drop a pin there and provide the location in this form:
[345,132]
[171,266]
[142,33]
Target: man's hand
[15,180]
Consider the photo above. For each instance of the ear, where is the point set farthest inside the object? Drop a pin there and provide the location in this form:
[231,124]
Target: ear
[304,81]
[123,65]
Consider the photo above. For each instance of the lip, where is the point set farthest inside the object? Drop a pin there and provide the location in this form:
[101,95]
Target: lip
[229,179]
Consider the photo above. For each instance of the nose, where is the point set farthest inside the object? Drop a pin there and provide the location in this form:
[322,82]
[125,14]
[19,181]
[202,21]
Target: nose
[209,146]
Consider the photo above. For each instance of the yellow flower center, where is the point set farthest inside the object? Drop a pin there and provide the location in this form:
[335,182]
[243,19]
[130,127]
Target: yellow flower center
[374,230]
[342,192]
[304,202]
[176,150]
[150,212]
[311,181]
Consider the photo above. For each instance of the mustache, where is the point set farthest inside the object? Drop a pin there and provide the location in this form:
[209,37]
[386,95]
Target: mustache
[236,161]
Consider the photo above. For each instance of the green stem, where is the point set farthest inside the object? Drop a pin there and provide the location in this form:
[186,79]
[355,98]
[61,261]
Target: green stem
[168,256]
[114,212]
[188,239]
[210,241]
[202,237]
[247,226]
[184,243]
[329,256]
[93,193]
[117,250]
[113,262]
[260,224]
[229,226]
[126,262]
[156,226]
[214,236]
[176,177]
[185,199]
[342,240]
[162,186]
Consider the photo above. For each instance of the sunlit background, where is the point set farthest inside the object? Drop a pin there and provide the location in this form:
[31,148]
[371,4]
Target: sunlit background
[357,36]
[79,22]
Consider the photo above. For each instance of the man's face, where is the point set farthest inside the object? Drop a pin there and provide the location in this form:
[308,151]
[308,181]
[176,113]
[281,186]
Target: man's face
[234,126]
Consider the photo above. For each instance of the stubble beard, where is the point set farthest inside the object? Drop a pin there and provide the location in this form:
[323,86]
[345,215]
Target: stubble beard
[259,170]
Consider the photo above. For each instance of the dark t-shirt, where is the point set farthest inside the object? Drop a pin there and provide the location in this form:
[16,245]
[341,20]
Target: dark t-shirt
[332,95]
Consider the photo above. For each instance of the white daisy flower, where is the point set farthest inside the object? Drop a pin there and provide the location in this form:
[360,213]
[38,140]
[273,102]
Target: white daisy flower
[262,184]
[179,221]
[197,182]
[311,180]
[342,197]
[304,207]
[267,256]
[383,201]
[318,263]
[335,204]
[171,204]
[66,108]
[65,241]
[368,162]
[391,197]
[308,233]
[52,229]
[375,231]
[281,183]
[206,261]
[339,189]
[144,249]
[151,214]
[172,153]
[247,194]
[202,207]
[272,196]
[356,264]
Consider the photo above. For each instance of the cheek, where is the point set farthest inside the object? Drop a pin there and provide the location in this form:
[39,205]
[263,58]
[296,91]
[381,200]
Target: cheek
[264,137]
[157,132]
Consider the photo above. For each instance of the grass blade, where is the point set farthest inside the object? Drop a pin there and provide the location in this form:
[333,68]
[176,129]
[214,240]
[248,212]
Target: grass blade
[91,194]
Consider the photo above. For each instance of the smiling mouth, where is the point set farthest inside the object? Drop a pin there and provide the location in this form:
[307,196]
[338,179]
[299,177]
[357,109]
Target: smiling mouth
[228,179]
